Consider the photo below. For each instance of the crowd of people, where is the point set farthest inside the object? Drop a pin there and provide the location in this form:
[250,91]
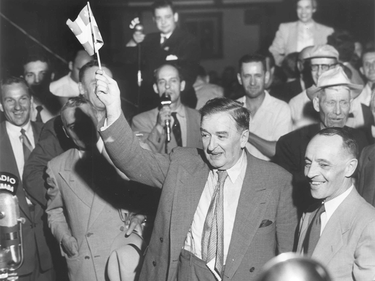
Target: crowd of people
[207,182]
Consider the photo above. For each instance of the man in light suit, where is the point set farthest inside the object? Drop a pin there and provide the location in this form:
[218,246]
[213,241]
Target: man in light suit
[259,215]
[294,36]
[87,200]
[346,226]
[152,124]
[16,103]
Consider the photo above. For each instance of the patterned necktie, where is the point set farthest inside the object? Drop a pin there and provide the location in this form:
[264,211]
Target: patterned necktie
[38,118]
[176,129]
[213,230]
[313,232]
[26,144]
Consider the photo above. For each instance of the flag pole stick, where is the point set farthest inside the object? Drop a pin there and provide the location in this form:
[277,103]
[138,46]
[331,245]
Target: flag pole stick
[93,36]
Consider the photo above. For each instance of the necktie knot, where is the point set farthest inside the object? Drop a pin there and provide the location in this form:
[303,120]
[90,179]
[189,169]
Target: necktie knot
[162,39]
[222,175]
[38,118]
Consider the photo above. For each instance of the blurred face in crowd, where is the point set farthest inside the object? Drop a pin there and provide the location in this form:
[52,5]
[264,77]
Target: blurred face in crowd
[328,167]
[368,66]
[321,65]
[222,140]
[333,105]
[305,10]
[88,85]
[165,19]
[80,125]
[80,60]
[16,103]
[253,79]
[38,76]
[168,81]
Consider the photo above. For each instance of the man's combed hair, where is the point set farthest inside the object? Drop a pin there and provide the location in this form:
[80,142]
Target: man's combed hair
[175,65]
[12,80]
[239,113]
[349,143]
[252,58]
[163,4]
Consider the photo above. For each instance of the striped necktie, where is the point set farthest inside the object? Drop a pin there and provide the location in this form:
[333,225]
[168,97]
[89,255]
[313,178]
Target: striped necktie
[26,144]
[213,230]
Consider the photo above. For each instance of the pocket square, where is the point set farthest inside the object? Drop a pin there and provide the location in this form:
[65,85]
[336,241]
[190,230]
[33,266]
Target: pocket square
[265,223]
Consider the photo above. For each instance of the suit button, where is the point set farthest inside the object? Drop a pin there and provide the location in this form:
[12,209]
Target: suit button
[87,257]
[154,263]
[161,239]
[252,269]
[89,234]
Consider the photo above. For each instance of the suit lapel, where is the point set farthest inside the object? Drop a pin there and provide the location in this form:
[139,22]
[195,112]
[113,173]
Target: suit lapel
[250,211]
[292,36]
[73,182]
[186,198]
[331,239]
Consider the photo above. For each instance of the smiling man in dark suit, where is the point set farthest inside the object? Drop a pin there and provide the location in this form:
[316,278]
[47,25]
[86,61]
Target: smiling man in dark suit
[170,43]
[18,136]
[189,241]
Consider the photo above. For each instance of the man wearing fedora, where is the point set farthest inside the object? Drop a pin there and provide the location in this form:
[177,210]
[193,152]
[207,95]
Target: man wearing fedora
[331,98]
[319,58]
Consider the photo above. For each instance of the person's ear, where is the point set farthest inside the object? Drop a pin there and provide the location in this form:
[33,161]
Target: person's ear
[267,76]
[351,166]
[362,70]
[175,17]
[155,88]
[70,65]
[182,85]
[316,104]
[1,107]
[66,133]
[239,78]
[81,89]
[244,138]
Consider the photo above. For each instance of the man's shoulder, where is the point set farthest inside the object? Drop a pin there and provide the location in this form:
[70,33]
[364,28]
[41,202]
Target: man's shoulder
[150,114]
[323,27]
[58,83]
[268,168]
[192,111]
[285,26]
[61,160]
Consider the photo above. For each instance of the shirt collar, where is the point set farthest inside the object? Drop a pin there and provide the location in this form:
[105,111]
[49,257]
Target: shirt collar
[15,130]
[235,171]
[333,204]
[180,111]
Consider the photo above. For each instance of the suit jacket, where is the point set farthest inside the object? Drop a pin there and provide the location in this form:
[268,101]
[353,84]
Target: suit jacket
[35,229]
[79,207]
[52,142]
[187,52]
[285,41]
[182,176]
[290,154]
[347,245]
[145,122]
[366,177]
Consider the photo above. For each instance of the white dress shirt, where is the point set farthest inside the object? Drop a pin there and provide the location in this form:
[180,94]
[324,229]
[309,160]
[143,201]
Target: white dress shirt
[232,191]
[14,133]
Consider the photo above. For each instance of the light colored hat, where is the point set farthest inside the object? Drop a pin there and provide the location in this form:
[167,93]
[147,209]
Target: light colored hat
[322,51]
[334,77]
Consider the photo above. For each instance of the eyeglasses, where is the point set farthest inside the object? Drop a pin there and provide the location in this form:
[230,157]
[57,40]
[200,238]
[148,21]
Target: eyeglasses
[324,67]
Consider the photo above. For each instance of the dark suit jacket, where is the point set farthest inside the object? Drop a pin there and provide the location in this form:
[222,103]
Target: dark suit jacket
[182,176]
[181,44]
[52,142]
[366,176]
[33,231]
[290,154]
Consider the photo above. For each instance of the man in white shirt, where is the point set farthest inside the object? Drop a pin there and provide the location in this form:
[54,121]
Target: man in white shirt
[270,117]
[67,86]
[153,126]
[18,136]
[340,231]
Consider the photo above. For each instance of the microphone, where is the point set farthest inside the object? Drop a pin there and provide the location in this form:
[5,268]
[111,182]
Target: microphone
[11,250]
[165,100]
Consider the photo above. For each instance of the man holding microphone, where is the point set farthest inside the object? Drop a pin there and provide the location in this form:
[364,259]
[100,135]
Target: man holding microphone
[172,116]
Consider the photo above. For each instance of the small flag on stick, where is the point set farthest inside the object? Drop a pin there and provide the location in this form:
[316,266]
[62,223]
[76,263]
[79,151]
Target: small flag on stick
[87,31]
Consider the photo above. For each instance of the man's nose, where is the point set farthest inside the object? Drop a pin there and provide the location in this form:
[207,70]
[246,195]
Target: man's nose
[338,109]
[211,144]
[310,171]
